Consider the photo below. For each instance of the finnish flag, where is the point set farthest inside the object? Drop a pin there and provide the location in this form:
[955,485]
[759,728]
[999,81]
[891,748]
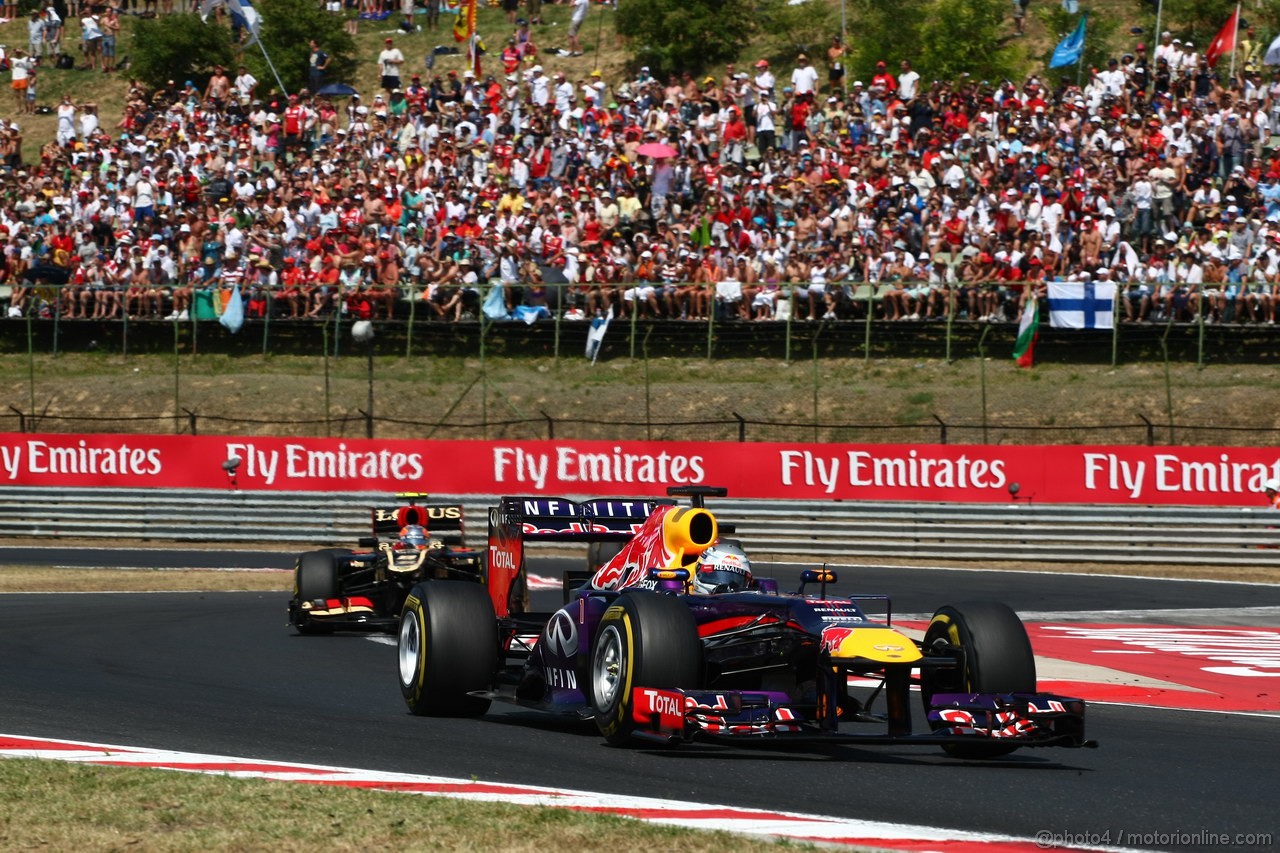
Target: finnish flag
[1081,304]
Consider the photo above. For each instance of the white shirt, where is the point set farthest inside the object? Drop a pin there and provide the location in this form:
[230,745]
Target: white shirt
[389,62]
[244,84]
[564,97]
[907,84]
[540,89]
[804,79]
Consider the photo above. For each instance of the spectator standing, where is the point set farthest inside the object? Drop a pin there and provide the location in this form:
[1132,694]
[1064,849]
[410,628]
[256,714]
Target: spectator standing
[52,31]
[908,82]
[317,64]
[804,79]
[539,87]
[245,86]
[110,25]
[835,65]
[219,88]
[35,33]
[389,62]
[91,33]
[580,8]
[66,121]
[21,67]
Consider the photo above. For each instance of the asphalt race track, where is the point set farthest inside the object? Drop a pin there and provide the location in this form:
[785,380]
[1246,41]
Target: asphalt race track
[221,673]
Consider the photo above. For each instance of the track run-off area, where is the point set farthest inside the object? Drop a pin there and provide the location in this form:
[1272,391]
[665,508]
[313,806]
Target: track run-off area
[1183,680]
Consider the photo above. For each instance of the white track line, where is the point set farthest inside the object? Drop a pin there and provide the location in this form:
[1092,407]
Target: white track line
[830,830]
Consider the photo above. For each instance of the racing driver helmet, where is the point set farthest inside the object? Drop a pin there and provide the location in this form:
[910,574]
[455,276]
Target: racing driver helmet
[723,567]
[413,536]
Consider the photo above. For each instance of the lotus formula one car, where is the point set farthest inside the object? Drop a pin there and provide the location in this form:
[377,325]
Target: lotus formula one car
[674,639]
[339,589]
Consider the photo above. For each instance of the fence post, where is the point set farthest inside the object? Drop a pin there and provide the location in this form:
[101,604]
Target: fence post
[648,391]
[742,427]
[866,335]
[31,364]
[1151,430]
[191,420]
[711,320]
[821,327]
[266,320]
[1200,306]
[22,418]
[942,432]
[982,367]
[551,427]
[177,377]
[791,301]
[1168,379]
[57,318]
[413,306]
[560,301]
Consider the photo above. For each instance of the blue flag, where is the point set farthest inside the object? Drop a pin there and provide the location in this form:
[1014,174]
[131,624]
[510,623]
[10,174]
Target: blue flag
[233,316]
[1071,48]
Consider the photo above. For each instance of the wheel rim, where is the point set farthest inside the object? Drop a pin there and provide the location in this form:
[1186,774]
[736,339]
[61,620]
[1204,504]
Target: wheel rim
[410,646]
[608,670]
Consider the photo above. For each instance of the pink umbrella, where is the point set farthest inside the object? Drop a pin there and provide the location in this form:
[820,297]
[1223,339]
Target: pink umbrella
[656,150]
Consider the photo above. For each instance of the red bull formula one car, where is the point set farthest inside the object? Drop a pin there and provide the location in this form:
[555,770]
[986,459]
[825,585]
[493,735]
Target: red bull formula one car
[364,590]
[674,638]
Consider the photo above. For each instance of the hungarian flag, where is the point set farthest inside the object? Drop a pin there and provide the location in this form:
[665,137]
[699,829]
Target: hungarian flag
[1024,350]
[1225,41]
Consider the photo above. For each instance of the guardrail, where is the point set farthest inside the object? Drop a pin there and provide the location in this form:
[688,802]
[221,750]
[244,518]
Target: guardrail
[829,530]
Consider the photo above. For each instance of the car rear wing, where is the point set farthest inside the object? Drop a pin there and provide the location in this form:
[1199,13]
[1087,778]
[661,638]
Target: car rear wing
[519,519]
[558,519]
[442,521]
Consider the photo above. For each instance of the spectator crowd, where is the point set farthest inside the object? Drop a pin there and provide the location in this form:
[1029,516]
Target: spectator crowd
[752,193]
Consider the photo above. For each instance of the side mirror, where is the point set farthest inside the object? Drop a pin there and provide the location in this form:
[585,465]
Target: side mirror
[822,576]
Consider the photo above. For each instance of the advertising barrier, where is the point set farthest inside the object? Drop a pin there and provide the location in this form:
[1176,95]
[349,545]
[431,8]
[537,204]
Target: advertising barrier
[1210,476]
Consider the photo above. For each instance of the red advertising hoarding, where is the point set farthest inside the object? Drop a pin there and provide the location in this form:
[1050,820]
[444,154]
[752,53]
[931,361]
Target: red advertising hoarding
[960,473]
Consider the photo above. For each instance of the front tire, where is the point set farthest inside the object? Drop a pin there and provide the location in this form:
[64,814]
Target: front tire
[644,640]
[447,648]
[314,577]
[995,654]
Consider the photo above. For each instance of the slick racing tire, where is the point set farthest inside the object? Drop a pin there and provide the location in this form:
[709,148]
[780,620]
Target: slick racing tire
[448,647]
[645,639]
[996,658]
[316,576]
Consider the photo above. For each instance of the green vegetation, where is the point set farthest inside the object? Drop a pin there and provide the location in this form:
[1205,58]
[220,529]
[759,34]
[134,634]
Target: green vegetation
[178,48]
[57,806]
[672,36]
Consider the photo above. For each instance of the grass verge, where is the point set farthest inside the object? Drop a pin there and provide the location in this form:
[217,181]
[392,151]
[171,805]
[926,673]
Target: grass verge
[56,806]
[55,579]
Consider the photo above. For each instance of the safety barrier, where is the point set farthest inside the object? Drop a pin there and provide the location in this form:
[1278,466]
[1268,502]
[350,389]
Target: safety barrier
[817,530]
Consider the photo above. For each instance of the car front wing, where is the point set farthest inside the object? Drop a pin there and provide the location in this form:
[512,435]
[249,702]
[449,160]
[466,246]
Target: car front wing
[1027,719]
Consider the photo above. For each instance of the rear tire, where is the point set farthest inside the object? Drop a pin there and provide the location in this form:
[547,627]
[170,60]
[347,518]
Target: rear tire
[316,576]
[448,647]
[997,658]
[644,640]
